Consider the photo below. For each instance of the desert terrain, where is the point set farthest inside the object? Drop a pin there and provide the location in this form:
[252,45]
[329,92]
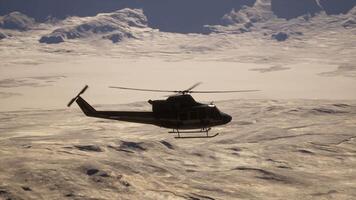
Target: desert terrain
[294,139]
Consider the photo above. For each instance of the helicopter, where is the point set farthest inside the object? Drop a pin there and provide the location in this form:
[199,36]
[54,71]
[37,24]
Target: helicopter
[179,112]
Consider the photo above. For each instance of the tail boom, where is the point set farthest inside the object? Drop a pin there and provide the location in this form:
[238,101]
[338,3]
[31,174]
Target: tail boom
[128,116]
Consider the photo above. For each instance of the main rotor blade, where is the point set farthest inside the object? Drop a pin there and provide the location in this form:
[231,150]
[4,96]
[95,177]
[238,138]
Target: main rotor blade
[226,91]
[188,91]
[138,89]
[193,86]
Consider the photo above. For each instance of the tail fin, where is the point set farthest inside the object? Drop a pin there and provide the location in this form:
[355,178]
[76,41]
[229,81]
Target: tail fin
[85,106]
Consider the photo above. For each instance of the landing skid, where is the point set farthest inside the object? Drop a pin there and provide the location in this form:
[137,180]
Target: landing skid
[193,137]
[204,130]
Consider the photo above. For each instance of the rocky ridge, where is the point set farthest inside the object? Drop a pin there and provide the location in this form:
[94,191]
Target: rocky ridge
[114,26]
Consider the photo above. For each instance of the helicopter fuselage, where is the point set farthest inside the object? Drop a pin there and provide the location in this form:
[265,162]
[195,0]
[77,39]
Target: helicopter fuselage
[183,112]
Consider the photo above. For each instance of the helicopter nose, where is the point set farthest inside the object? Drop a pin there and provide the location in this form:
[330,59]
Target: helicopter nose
[226,118]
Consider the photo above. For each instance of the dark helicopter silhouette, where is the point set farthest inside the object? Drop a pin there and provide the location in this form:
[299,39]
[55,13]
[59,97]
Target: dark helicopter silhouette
[177,112]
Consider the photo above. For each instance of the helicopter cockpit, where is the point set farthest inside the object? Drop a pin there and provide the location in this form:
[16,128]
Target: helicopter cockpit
[202,112]
[214,112]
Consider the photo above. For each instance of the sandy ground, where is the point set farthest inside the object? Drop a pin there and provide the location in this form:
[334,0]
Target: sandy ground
[297,149]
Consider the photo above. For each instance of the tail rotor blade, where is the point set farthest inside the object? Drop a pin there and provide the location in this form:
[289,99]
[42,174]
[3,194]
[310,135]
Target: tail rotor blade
[76,97]
[83,90]
[71,102]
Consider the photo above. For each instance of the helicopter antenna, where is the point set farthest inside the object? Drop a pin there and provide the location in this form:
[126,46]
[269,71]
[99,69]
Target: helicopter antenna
[187,91]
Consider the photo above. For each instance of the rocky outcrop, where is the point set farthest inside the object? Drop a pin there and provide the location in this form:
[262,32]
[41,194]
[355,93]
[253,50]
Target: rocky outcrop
[350,23]
[259,12]
[52,38]
[2,35]
[16,21]
[118,37]
[281,36]
[114,26]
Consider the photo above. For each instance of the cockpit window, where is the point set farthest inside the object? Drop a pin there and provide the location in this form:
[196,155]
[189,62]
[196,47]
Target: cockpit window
[202,114]
[214,113]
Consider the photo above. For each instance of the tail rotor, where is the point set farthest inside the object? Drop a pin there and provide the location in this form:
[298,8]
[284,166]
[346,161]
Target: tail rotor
[76,97]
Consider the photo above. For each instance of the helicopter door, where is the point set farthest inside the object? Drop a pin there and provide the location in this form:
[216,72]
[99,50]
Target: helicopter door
[193,115]
[183,116]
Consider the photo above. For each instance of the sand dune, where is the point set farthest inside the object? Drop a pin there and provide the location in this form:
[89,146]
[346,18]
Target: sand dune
[271,150]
